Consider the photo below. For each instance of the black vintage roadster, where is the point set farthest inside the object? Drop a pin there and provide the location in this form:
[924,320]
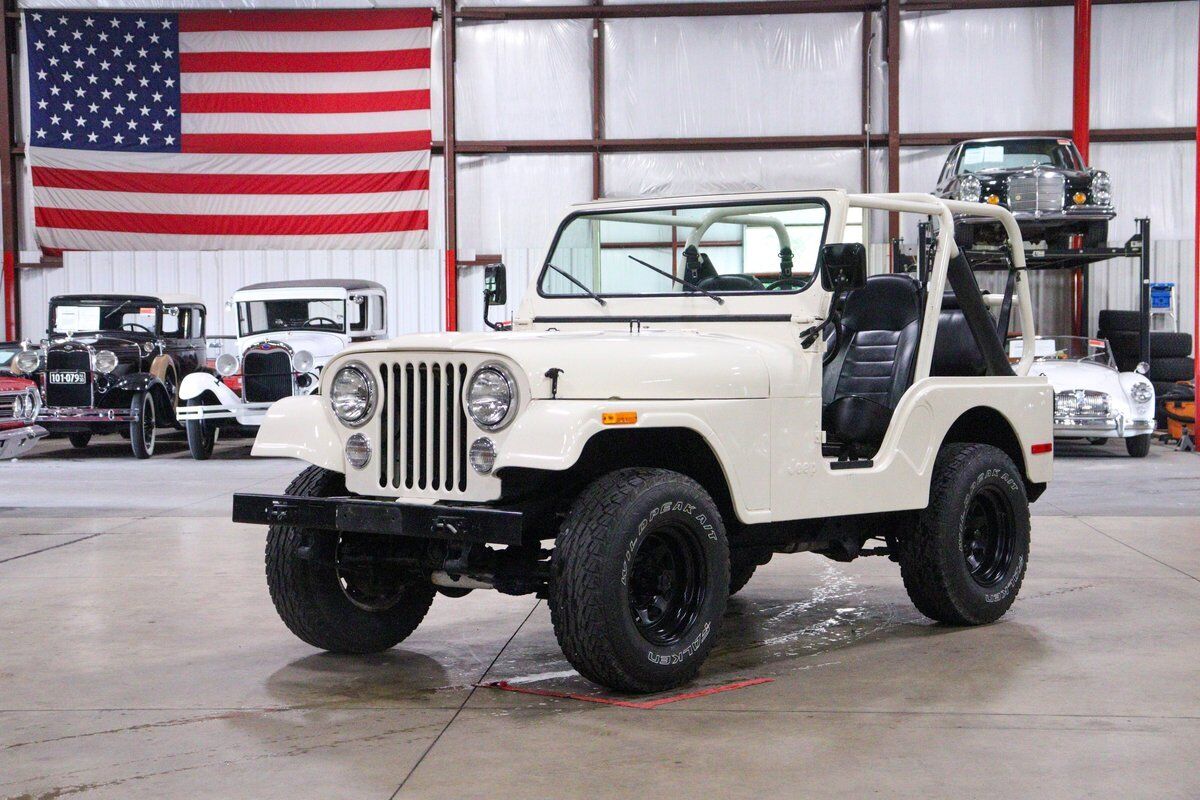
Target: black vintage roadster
[113,363]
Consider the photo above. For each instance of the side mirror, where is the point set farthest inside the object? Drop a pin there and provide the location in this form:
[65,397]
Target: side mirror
[843,267]
[1142,368]
[495,285]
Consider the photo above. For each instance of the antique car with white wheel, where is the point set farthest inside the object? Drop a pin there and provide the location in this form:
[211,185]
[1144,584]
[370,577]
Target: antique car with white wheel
[1043,180]
[665,416]
[19,406]
[287,332]
[1093,400]
[112,363]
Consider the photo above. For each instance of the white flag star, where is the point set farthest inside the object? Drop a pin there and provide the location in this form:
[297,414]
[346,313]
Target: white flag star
[92,79]
[119,110]
[157,96]
[119,138]
[41,73]
[128,38]
[66,135]
[42,104]
[80,122]
[68,106]
[168,53]
[154,38]
[141,23]
[39,45]
[105,94]
[54,119]
[105,65]
[89,22]
[54,90]
[116,23]
[143,81]
[158,126]
[102,36]
[92,107]
[76,35]
[170,82]
[106,123]
[170,111]
[170,140]
[145,111]
[92,137]
[132,124]
[41,133]
[166,23]
[144,139]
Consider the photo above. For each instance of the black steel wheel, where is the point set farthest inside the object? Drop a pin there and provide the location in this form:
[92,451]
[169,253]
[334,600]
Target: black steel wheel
[640,577]
[144,424]
[80,439]
[201,435]
[344,594]
[964,562]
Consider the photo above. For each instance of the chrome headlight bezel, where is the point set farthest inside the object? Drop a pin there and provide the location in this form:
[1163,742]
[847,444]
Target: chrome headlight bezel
[302,361]
[510,409]
[33,405]
[970,189]
[1101,188]
[227,364]
[27,361]
[1141,392]
[105,361]
[372,389]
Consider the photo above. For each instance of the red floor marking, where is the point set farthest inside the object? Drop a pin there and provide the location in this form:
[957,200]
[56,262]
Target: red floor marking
[643,705]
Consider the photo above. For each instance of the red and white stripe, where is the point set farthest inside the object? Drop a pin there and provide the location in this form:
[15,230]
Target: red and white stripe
[301,130]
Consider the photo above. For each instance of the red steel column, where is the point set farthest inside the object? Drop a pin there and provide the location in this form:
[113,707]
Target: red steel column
[1081,119]
[1196,265]
[450,162]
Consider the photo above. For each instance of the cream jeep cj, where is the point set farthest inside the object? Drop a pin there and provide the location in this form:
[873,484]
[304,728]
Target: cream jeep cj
[690,386]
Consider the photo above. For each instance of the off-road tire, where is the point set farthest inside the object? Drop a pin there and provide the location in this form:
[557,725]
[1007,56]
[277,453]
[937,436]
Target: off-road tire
[201,436]
[142,431]
[308,594]
[594,571]
[80,439]
[741,570]
[932,560]
[1138,446]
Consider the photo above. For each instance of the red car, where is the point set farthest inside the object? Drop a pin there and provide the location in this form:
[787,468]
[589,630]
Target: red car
[19,405]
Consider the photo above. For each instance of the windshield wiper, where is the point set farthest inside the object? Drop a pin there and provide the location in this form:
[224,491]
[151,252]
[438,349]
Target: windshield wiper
[118,308]
[572,279]
[677,279]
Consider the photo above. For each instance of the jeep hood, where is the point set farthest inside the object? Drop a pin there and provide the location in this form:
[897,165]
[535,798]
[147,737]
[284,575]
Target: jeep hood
[609,365]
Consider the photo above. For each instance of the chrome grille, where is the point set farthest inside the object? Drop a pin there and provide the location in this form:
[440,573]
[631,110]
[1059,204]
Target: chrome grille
[423,436]
[1037,192]
[6,405]
[72,358]
[266,375]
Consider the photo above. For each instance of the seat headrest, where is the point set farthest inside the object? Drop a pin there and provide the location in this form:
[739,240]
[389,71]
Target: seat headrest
[885,303]
[950,302]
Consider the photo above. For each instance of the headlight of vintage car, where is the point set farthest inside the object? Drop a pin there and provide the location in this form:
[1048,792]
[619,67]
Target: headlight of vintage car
[1101,189]
[491,396]
[1141,392]
[105,361]
[352,394]
[302,361]
[227,364]
[27,410]
[1081,403]
[18,406]
[969,189]
[27,361]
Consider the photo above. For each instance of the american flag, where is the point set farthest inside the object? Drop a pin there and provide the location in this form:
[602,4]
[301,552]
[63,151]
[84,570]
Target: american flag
[229,130]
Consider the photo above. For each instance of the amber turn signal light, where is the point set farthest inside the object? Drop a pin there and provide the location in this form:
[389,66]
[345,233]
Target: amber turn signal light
[1080,198]
[993,199]
[619,417]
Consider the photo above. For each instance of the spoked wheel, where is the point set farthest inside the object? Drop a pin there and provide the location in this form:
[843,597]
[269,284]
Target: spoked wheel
[142,429]
[640,576]
[989,537]
[965,561]
[666,585]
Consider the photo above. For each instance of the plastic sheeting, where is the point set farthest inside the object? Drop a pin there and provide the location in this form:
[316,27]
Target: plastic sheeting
[515,201]
[524,80]
[1144,65]
[1004,69]
[733,76]
[1151,179]
[640,174]
[217,5]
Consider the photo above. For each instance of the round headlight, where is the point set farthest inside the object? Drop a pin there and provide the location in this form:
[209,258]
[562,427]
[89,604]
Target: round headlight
[969,189]
[491,396]
[105,361]
[33,404]
[482,455]
[302,361]
[227,364]
[27,361]
[352,394]
[358,451]
[1141,392]
[1101,188]
[18,407]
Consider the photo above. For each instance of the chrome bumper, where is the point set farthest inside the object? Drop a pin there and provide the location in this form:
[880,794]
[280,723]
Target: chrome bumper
[1072,214]
[16,442]
[84,414]
[1112,425]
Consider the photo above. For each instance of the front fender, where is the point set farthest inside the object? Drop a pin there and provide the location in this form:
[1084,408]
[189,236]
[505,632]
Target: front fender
[137,382]
[300,427]
[198,383]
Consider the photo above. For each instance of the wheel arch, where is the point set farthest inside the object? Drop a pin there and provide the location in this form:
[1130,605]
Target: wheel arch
[987,425]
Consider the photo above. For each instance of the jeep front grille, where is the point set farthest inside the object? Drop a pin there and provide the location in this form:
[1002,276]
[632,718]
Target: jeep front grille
[1037,192]
[423,433]
[266,375]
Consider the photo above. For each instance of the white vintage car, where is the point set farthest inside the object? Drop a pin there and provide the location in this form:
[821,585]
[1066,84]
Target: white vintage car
[287,332]
[665,416]
[1092,399]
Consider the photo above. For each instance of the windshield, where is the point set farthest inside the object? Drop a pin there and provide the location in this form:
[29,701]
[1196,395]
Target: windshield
[1018,154]
[88,316]
[264,316]
[1064,348]
[716,250]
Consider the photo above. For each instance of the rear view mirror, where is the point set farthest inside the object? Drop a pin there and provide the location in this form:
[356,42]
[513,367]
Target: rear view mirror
[495,285]
[843,267]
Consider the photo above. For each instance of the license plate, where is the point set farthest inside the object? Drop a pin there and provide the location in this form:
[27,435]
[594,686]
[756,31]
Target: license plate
[70,377]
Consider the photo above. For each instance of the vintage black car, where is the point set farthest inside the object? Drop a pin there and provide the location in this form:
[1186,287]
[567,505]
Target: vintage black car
[113,363]
[1043,181]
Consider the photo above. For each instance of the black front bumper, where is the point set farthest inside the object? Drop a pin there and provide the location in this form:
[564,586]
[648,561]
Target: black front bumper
[478,524]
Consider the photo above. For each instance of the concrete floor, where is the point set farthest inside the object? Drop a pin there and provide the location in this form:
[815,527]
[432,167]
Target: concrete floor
[140,656]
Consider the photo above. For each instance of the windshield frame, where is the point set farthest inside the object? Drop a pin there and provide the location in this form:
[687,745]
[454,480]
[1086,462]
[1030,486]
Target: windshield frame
[774,201]
[114,302]
[1102,357]
[238,304]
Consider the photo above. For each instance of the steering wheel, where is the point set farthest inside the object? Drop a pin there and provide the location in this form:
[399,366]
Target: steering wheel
[320,321]
[787,283]
[137,325]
